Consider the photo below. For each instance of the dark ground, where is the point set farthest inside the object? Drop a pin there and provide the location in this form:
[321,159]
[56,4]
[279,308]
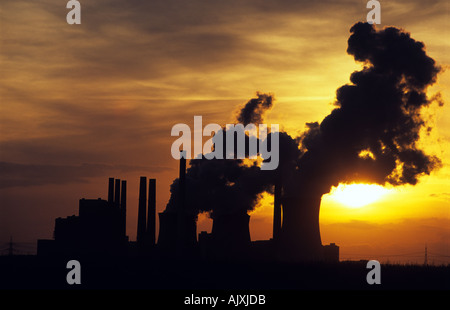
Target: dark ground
[32,272]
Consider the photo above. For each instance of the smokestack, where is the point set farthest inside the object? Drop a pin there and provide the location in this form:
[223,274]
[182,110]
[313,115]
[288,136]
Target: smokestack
[181,205]
[277,211]
[182,165]
[182,181]
[151,211]
[117,193]
[142,210]
[111,191]
[123,207]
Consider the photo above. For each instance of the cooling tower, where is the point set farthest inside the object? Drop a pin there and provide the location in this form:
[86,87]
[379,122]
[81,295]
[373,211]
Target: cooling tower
[300,234]
[231,236]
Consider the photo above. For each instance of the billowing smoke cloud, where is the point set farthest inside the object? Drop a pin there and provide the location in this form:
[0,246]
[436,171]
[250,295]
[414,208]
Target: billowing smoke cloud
[371,135]
[227,186]
[253,112]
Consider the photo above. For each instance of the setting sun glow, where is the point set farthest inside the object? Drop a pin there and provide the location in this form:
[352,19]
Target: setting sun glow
[357,195]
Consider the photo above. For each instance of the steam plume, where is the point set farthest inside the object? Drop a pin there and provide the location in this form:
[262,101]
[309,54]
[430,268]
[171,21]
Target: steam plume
[379,113]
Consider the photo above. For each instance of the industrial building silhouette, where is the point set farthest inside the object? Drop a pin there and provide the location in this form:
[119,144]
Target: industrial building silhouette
[100,230]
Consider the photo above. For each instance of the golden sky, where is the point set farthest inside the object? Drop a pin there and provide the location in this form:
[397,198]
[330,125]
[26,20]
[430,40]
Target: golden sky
[80,103]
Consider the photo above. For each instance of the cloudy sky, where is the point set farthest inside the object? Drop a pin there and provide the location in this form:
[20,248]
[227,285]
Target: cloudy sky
[81,103]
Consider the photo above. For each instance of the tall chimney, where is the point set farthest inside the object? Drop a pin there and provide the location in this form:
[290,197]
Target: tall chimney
[181,205]
[182,181]
[111,191]
[277,211]
[117,193]
[151,227]
[142,210]
[123,207]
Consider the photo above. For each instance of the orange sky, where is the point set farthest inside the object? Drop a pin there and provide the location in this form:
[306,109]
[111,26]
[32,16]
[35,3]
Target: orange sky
[81,103]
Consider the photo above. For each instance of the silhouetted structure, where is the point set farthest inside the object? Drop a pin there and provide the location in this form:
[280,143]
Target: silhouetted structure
[142,210]
[111,191]
[151,220]
[277,210]
[230,237]
[99,229]
[331,253]
[300,234]
[178,230]
[146,216]
[123,207]
[167,239]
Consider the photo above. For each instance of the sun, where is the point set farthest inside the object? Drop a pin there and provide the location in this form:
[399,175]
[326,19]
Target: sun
[357,195]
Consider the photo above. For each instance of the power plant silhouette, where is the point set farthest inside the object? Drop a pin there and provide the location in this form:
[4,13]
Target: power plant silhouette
[100,230]
[378,112]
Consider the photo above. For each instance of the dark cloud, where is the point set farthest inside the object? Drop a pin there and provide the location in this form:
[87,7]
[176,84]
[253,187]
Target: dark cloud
[254,110]
[379,112]
[14,174]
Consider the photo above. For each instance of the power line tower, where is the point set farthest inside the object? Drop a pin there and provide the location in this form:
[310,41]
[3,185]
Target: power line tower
[426,256]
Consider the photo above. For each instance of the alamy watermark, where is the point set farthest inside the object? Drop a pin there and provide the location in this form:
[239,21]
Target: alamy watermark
[213,147]
[374,15]
[74,275]
[374,275]
[74,15]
